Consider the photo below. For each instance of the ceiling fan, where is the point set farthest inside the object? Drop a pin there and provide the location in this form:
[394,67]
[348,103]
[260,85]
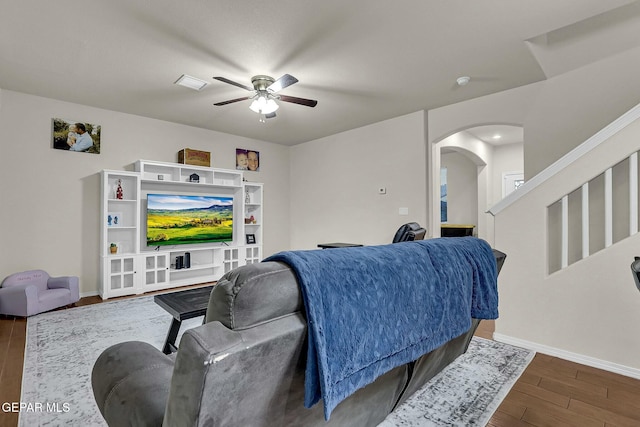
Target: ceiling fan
[265,93]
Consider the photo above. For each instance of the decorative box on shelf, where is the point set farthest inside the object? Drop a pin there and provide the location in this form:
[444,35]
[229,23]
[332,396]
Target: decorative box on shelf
[188,156]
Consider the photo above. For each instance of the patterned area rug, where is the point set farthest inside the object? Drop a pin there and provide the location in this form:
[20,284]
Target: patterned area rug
[62,346]
[468,391]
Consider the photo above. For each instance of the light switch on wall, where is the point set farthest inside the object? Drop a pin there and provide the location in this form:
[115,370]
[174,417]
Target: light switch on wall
[403,211]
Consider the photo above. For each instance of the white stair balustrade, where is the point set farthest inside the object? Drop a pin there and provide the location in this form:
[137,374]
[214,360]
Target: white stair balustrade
[608,203]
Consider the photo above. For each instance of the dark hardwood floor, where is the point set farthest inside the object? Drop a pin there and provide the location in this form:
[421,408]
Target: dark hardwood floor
[552,392]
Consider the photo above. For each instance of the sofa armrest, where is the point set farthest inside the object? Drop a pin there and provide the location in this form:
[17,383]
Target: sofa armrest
[67,282]
[201,350]
[130,383]
[16,300]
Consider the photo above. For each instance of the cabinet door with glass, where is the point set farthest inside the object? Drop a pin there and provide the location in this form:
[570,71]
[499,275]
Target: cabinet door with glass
[121,276]
[156,271]
[231,259]
[252,254]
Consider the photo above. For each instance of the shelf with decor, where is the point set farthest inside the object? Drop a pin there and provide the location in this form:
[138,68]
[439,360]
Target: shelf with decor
[171,173]
[140,265]
[252,213]
[120,213]
[199,259]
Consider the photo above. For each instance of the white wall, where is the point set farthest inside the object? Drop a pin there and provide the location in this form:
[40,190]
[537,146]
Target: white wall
[571,107]
[506,158]
[557,114]
[335,181]
[509,107]
[462,188]
[446,127]
[50,198]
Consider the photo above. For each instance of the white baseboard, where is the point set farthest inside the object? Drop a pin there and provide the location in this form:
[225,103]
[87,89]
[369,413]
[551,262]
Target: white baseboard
[573,357]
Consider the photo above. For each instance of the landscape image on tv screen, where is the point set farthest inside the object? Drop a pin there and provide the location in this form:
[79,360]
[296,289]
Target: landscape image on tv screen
[180,219]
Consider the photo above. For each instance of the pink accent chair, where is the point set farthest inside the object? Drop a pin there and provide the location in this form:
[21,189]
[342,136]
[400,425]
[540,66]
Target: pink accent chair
[34,291]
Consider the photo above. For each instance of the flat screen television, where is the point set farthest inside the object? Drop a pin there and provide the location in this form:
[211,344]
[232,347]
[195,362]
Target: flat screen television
[174,219]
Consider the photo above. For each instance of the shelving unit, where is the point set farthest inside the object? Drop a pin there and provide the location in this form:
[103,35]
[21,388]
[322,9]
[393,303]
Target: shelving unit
[175,173]
[253,212]
[120,216]
[137,268]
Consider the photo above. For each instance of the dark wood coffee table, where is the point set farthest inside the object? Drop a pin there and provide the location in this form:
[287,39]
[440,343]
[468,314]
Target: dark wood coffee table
[182,305]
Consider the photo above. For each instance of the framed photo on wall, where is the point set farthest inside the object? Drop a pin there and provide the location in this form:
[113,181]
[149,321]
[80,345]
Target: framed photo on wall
[247,160]
[75,135]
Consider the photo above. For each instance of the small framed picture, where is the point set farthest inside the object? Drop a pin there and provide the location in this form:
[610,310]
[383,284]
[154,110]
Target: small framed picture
[114,219]
[247,160]
[251,239]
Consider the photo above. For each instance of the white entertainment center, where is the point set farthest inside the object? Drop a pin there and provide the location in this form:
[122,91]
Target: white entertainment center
[134,267]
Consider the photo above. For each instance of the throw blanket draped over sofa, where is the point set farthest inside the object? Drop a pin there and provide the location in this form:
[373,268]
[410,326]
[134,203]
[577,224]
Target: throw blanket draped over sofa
[370,309]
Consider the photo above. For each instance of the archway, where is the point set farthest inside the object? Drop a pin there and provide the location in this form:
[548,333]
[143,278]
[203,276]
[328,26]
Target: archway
[487,152]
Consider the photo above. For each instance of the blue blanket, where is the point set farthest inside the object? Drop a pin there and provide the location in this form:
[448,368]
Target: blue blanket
[370,309]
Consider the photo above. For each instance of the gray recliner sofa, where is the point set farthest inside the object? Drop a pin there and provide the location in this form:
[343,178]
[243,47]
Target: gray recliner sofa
[246,365]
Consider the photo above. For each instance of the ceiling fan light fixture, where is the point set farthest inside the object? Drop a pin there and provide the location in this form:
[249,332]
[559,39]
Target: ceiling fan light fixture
[263,97]
[191,82]
[264,105]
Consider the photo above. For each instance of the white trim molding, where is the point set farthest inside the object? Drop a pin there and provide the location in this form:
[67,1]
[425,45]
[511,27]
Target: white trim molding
[633,193]
[573,357]
[603,135]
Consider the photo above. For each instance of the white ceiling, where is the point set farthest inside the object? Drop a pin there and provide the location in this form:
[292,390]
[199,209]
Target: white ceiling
[364,61]
[498,134]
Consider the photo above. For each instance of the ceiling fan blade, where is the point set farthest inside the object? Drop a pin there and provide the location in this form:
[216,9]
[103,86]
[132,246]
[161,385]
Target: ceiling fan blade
[282,82]
[231,101]
[301,101]
[270,115]
[231,82]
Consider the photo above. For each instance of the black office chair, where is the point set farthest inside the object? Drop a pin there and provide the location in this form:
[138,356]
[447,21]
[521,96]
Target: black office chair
[409,232]
[635,268]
